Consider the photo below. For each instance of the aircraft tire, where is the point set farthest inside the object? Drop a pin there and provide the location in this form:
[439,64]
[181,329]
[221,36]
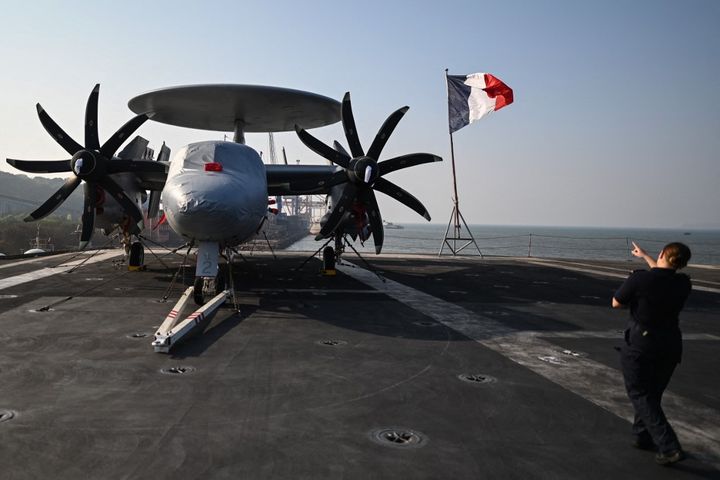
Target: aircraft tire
[199,291]
[136,259]
[328,258]
[198,296]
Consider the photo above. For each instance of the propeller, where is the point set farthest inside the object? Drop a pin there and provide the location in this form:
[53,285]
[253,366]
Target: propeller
[92,163]
[362,173]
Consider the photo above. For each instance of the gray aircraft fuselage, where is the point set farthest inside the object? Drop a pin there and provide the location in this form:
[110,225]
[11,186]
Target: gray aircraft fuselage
[216,192]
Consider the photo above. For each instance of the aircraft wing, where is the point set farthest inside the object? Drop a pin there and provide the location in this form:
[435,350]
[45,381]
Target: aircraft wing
[148,178]
[153,180]
[303,179]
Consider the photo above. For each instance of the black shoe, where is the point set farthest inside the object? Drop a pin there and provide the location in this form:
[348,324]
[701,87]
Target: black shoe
[644,443]
[667,459]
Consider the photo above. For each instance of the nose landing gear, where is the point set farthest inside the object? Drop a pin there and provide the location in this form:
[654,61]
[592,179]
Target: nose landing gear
[205,288]
[208,291]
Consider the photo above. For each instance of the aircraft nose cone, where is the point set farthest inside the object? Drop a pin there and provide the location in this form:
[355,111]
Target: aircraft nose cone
[212,209]
[225,203]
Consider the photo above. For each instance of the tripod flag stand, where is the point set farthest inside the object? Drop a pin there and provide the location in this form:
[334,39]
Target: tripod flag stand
[470,98]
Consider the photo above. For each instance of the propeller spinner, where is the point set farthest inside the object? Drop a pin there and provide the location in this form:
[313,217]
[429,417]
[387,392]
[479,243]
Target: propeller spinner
[362,173]
[92,163]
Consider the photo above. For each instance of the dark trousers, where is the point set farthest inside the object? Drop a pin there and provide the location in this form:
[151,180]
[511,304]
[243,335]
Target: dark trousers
[646,378]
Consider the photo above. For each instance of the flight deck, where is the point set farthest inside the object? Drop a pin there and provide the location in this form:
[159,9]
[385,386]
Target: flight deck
[432,368]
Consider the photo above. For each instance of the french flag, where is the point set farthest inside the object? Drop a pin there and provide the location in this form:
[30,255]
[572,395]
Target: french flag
[471,97]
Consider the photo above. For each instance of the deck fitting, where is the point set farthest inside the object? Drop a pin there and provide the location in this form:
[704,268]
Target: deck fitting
[180,370]
[426,323]
[398,437]
[331,342]
[6,415]
[42,310]
[476,378]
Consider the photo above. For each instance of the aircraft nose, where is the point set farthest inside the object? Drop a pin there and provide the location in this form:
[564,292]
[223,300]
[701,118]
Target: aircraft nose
[211,209]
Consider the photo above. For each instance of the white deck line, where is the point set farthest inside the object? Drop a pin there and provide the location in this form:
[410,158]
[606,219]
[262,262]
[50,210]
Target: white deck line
[697,426]
[47,272]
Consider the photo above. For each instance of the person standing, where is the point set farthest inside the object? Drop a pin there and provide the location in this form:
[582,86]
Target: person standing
[653,344]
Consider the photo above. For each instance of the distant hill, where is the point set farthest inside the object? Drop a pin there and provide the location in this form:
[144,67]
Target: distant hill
[52,232]
[20,194]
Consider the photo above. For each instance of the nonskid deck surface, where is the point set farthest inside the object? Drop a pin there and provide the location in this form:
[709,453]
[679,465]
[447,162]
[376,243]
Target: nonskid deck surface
[452,368]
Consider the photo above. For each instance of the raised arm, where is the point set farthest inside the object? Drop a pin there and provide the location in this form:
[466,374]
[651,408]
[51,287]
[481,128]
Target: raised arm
[640,253]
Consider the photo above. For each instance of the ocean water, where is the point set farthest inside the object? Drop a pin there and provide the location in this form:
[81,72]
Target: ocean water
[545,242]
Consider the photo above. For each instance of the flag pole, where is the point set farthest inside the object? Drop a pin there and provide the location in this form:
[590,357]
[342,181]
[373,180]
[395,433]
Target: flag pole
[455,216]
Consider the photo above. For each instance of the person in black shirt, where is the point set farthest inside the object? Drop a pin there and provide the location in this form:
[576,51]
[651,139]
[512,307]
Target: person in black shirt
[653,344]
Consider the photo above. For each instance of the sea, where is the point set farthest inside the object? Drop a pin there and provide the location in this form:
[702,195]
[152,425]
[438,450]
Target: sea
[537,241]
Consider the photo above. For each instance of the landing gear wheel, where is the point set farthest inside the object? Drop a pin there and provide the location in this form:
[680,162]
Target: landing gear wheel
[205,288]
[136,258]
[198,291]
[328,258]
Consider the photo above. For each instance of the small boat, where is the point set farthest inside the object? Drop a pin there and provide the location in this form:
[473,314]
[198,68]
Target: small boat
[392,226]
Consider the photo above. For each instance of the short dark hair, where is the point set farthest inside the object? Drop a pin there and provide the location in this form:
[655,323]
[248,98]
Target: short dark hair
[677,254]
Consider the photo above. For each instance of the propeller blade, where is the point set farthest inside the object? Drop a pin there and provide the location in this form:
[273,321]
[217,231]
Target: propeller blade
[113,143]
[92,141]
[118,194]
[88,216]
[62,138]
[402,196]
[385,132]
[321,149]
[348,123]
[311,185]
[339,209]
[376,224]
[55,201]
[405,161]
[119,166]
[340,148]
[41,166]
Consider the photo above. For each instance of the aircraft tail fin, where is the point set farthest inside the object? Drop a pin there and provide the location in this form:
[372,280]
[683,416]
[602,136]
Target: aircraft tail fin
[137,149]
[164,155]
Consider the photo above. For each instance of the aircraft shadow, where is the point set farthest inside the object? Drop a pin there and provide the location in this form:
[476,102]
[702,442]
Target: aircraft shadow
[517,297]
[199,343]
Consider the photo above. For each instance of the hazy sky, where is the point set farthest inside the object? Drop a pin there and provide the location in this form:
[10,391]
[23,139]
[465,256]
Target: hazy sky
[616,120]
